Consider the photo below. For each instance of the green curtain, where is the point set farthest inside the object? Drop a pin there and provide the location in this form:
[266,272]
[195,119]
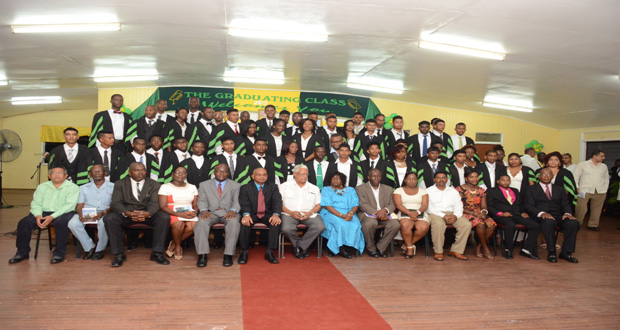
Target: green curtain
[139,111]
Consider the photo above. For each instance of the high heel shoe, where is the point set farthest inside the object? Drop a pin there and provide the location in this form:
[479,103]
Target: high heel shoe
[410,248]
[169,253]
[178,256]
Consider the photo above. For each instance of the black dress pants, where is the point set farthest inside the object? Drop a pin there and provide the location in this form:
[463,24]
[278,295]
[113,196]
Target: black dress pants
[570,227]
[274,232]
[116,222]
[510,226]
[29,223]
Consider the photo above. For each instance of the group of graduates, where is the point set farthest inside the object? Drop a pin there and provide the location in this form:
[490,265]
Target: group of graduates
[197,146]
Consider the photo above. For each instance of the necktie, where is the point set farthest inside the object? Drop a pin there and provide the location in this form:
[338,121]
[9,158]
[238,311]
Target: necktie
[319,176]
[192,120]
[142,159]
[150,122]
[138,191]
[424,146]
[157,156]
[159,117]
[434,168]
[508,197]
[106,162]
[547,192]
[185,155]
[372,164]
[219,189]
[370,137]
[460,142]
[70,156]
[232,166]
[260,209]
[236,130]
[269,124]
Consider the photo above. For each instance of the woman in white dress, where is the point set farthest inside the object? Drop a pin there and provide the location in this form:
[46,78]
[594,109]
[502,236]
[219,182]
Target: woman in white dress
[411,202]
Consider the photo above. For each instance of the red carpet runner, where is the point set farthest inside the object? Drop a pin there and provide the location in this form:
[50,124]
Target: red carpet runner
[302,294]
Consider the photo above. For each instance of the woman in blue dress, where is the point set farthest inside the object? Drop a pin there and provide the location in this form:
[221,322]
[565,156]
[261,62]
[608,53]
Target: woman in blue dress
[342,226]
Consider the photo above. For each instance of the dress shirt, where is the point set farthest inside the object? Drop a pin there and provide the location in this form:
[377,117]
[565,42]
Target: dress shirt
[181,155]
[71,151]
[159,155]
[374,135]
[457,140]
[507,192]
[134,187]
[544,188]
[572,167]
[233,125]
[150,121]
[302,199]
[592,178]
[93,197]
[461,171]
[358,128]
[195,115]
[491,168]
[261,159]
[421,141]
[370,160]
[397,135]
[207,125]
[199,160]
[330,132]
[137,157]
[375,192]
[442,201]
[530,162]
[101,152]
[58,201]
[345,168]
[278,146]
[304,145]
[118,124]
[162,116]
[258,187]
[234,160]
[324,165]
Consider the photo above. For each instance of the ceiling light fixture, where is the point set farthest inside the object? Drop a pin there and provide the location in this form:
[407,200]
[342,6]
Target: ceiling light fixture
[375,88]
[278,30]
[125,78]
[507,106]
[252,76]
[22,100]
[4,82]
[461,50]
[55,28]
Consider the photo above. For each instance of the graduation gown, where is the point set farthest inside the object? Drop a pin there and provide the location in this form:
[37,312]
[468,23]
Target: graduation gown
[58,157]
[197,175]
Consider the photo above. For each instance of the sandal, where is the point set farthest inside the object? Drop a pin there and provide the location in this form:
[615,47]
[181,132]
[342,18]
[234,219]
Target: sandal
[409,256]
[478,253]
[169,253]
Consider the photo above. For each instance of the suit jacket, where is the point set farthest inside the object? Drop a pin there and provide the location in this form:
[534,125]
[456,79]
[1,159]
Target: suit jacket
[323,133]
[145,132]
[368,204]
[289,132]
[312,173]
[92,157]
[269,166]
[536,201]
[123,199]
[248,199]
[58,157]
[566,180]
[127,159]
[197,175]
[496,202]
[209,199]
[103,122]
[262,130]
[242,169]
[414,148]
[380,165]
[485,176]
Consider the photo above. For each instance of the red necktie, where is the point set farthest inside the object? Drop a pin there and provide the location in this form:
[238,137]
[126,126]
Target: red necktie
[219,189]
[236,130]
[547,192]
[260,209]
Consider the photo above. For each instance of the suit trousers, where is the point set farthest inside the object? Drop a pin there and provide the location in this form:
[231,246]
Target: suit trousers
[78,228]
[315,228]
[274,232]
[596,206]
[570,227]
[369,228]
[510,226]
[116,222]
[438,233]
[29,223]
[203,229]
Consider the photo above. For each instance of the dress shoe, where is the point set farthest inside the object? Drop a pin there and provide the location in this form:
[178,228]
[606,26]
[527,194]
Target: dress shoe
[457,255]
[98,255]
[57,259]
[227,262]
[202,260]
[271,258]
[118,260]
[568,257]
[18,258]
[217,245]
[159,258]
[299,253]
[528,255]
[552,257]
[343,253]
[438,256]
[382,254]
[374,254]
[243,258]
[306,253]
[594,228]
[330,253]
[507,254]
[89,254]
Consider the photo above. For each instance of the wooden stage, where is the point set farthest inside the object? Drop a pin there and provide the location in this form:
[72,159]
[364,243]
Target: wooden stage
[409,294]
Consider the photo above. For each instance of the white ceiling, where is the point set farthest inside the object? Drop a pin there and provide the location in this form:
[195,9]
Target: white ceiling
[563,55]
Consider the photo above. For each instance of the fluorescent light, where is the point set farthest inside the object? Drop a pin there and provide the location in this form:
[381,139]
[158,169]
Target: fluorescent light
[36,100]
[254,80]
[461,50]
[279,30]
[255,76]
[4,82]
[54,28]
[374,88]
[506,107]
[126,78]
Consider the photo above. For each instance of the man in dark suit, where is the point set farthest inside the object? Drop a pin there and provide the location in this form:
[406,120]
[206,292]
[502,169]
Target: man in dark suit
[69,155]
[329,130]
[421,142]
[428,166]
[115,121]
[390,136]
[260,160]
[490,170]
[459,140]
[264,126]
[166,161]
[238,165]
[548,204]
[198,167]
[506,208]
[317,168]
[261,202]
[294,129]
[457,169]
[373,161]
[135,200]
[148,124]
[205,126]
[227,130]
[161,106]
[345,165]
[193,115]
[363,139]
[103,154]
[439,126]
[138,155]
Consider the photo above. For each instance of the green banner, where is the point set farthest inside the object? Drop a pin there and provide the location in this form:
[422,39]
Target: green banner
[216,98]
[341,105]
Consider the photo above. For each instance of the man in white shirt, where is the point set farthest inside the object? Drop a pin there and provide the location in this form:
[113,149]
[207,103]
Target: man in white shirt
[194,114]
[592,178]
[358,119]
[567,160]
[161,106]
[69,155]
[446,208]
[181,149]
[439,126]
[457,169]
[528,159]
[301,202]
[459,140]
[345,165]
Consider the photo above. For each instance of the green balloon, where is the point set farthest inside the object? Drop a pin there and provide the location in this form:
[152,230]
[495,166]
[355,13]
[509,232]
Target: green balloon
[387,126]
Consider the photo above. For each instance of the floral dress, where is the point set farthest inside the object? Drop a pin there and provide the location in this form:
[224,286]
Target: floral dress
[471,202]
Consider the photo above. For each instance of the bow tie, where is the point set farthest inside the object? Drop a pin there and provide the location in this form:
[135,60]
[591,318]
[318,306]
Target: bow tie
[260,158]
[117,112]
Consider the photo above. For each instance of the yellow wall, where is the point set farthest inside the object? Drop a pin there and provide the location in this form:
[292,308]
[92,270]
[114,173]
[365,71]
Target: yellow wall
[133,97]
[16,174]
[517,133]
[570,139]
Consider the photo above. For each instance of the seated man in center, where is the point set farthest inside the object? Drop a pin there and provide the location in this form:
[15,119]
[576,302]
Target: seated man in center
[261,202]
[446,208]
[376,205]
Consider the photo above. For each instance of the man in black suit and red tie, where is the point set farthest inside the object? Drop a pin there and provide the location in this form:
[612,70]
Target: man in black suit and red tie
[261,202]
[506,208]
[548,204]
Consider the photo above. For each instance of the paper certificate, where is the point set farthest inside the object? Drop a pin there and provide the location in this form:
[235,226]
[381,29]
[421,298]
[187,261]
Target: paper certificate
[89,214]
[183,208]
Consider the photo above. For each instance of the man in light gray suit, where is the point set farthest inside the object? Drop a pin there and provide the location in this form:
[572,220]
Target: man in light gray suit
[218,202]
[376,205]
